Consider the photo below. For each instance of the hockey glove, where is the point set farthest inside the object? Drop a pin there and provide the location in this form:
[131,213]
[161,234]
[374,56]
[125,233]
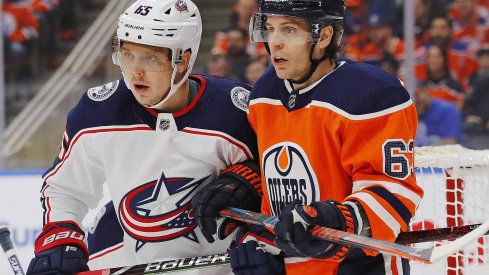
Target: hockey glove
[255,253]
[238,186]
[295,219]
[59,250]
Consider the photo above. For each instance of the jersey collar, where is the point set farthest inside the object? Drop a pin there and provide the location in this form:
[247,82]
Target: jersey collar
[307,89]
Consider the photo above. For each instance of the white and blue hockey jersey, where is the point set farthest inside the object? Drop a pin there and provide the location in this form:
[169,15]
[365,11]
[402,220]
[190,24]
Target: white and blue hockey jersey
[153,164]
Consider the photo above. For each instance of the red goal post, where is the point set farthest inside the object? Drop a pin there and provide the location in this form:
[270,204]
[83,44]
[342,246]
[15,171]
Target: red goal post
[456,185]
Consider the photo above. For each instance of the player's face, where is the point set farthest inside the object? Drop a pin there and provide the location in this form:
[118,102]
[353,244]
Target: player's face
[148,70]
[290,42]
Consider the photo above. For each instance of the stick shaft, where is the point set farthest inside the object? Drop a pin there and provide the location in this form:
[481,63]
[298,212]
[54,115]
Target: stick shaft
[410,237]
[426,255]
[164,267]
[9,250]
[336,236]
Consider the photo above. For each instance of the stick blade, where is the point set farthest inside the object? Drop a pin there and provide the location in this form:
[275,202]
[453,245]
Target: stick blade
[441,252]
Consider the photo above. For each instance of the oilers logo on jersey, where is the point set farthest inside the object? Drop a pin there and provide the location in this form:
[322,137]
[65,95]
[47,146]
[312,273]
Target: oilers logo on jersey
[289,176]
[147,215]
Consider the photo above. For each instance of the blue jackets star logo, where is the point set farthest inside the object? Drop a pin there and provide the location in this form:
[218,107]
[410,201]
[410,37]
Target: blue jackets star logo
[154,211]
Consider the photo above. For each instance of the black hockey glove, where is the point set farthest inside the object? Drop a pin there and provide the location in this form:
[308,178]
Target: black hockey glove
[59,249]
[254,252]
[295,219]
[238,186]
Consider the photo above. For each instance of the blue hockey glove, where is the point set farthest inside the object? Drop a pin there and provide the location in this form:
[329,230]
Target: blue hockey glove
[238,186]
[254,252]
[295,219]
[59,249]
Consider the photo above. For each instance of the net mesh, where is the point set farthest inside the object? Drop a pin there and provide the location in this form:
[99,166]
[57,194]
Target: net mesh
[456,185]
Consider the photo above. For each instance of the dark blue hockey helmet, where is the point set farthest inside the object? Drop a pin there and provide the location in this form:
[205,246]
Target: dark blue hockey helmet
[318,13]
[325,11]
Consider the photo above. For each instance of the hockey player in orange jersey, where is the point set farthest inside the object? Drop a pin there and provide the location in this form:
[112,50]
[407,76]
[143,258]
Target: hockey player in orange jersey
[335,143]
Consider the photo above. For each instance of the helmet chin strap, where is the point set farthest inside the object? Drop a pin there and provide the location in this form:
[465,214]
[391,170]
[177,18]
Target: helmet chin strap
[173,88]
[312,68]
[177,56]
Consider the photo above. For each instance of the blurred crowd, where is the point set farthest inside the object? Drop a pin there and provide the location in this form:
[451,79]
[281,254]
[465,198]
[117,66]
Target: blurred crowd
[451,64]
[451,60]
[232,54]
[32,31]
[451,53]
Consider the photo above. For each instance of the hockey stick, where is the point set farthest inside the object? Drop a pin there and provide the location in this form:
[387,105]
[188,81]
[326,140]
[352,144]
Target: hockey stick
[426,255]
[9,250]
[420,236]
[164,267]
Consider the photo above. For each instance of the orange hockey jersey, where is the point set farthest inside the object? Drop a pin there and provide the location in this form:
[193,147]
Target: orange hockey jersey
[347,137]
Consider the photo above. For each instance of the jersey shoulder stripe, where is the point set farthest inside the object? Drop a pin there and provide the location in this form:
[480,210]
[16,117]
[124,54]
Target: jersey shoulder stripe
[117,107]
[222,135]
[354,88]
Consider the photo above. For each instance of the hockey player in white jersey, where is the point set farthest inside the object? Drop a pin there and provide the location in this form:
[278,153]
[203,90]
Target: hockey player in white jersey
[156,137]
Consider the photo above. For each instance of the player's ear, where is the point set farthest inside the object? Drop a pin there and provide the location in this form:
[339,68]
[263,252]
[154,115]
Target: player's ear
[325,37]
[183,66]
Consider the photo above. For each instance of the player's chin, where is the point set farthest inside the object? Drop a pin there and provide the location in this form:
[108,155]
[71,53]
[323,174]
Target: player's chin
[282,73]
[145,101]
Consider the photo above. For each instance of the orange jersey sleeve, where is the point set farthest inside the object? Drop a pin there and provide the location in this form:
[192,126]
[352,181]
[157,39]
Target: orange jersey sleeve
[341,141]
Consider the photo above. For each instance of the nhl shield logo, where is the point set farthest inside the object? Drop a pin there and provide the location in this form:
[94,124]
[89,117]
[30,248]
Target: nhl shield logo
[181,5]
[292,99]
[164,124]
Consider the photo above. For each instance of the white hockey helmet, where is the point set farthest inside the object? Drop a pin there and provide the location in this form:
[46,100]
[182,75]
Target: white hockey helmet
[172,24]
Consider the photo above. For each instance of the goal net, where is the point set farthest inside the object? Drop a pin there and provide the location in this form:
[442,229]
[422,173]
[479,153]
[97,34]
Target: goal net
[456,185]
